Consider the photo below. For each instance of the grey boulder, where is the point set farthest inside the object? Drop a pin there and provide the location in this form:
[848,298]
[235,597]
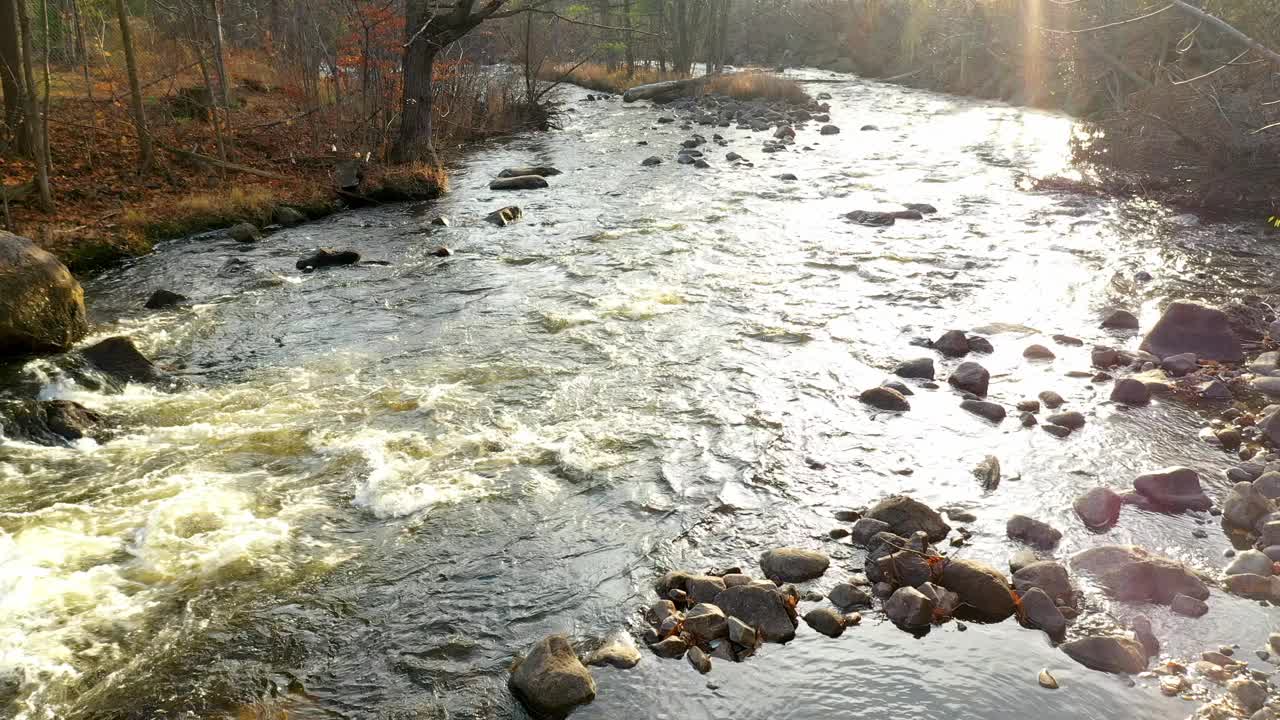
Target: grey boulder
[551,680]
[793,564]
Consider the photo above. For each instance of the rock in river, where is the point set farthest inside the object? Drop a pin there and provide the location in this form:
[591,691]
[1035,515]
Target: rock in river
[1131,573]
[1099,508]
[119,359]
[1039,611]
[1120,320]
[829,130]
[244,233]
[1070,420]
[1109,653]
[47,422]
[1175,489]
[953,343]
[520,182]
[885,398]
[994,412]
[762,608]
[1245,506]
[906,516]
[1250,561]
[505,216]
[1049,577]
[1033,532]
[706,621]
[921,368]
[970,377]
[41,303]
[619,651]
[551,680]
[847,595]
[909,608]
[1190,328]
[326,257]
[651,161]
[161,299]
[1188,606]
[539,170]
[865,529]
[793,564]
[826,621]
[1130,392]
[983,590]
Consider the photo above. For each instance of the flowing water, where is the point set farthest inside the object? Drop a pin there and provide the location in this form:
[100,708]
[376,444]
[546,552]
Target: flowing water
[377,483]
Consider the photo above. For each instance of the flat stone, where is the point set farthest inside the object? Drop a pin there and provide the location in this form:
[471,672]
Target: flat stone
[1111,654]
[762,608]
[1033,532]
[671,648]
[1131,573]
[920,368]
[1174,488]
[1190,328]
[522,182]
[1070,420]
[1188,606]
[794,564]
[993,412]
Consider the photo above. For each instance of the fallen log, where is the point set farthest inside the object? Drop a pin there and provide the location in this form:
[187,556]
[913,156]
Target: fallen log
[666,90]
[234,167]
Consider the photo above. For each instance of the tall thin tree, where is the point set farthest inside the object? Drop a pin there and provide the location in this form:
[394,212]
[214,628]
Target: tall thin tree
[34,140]
[146,149]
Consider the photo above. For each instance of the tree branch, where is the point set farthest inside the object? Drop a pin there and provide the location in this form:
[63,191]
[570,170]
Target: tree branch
[1110,25]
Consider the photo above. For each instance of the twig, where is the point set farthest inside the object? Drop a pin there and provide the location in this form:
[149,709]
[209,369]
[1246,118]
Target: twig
[1212,72]
[1108,25]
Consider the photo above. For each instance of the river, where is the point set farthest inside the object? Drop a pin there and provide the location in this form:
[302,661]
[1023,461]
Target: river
[378,483]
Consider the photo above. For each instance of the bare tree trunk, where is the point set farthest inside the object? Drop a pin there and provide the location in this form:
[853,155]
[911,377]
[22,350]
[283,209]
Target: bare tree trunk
[662,36]
[83,48]
[33,125]
[415,143]
[224,79]
[11,72]
[629,38]
[44,122]
[1203,16]
[212,110]
[145,148]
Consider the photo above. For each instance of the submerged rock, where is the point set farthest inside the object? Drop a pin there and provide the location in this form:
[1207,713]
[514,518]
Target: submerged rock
[505,216]
[826,621]
[793,564]
[1111,654]
[162,299]
[526,171]
[1190,328]
[870,217]
[41,302]
[619,652]
[551,680]
[1039,611]
[1131,573]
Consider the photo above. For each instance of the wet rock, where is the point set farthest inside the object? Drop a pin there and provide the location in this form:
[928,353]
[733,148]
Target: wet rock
[906,516]
[1033,532]
[1270,427]
[885,398]
[1038,352]
[1133,574]
[1214,390]
[529,171]
[736,579]
[953,343]
[326,257]
[665,119]
[671,648]
[869,217]
[869,128]
[442,252]
[1038,611]
[741,633]
[522,182]
[1099,508]
[704,588]
[944,601]
[120,360]
[1244,506]
[162,299]
[826,621]
[1256,587]
[48,422]
[619,652]
[900,387]
[663,609]
[1029,406]
[1269,386]
[846,595]
[1120,320]
[921,368]
[706,621]
[651,161]
[699,660]
[994,412]
[829,130]
[908,608]
[288,217]
[1179,365]
[244,233]
[1068,340]
[980,345]
[1145,635]
[1022,559]
[1069,420]
[1188,606]
[1111,654]
[793,564]
[41,302]
[1250,561]
[865,529]
[987,472]
[504,216]
[1174,488]
[970,377]
[905,568]
[440,221]
[1056,430]
[1248,694]
[1048,576]
[1130,392]
[551,680]
[983,590]
[1051,399]
[1047,680]
[1189,328]
[762,608]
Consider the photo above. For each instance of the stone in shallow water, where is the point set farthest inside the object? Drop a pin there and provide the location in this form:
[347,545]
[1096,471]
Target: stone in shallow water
[551,680]
[826,621]
[1111,654]
[1099,508]
[971,377]
[921,368]
[794,564]
[761,608]
[1191,328]
[885,398]
[1188,606]
[1174,488]
[1033,532]
[1130,392]
[909,608]
[619,651]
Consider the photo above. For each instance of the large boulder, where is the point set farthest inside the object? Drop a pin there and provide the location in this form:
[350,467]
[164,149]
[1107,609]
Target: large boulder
[551,680]
[1110,653]
[910,609]
[706,621]
[906,516]
[1131,573]
[48,422]
[520,182]
[526,171]
[1174,489]
[762,608]
[121,361]
[984,592]
[1047,576]
[41,303]
[1245,506]
[793,565]
[1189,328]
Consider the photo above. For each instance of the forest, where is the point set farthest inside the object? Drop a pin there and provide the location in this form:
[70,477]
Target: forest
[128,121]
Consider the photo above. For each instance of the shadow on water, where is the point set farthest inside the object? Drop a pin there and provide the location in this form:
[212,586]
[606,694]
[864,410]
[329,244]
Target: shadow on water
[384,480]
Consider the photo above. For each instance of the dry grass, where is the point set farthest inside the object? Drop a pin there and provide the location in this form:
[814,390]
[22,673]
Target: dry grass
[757,86]
[397,183]
[596,76]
